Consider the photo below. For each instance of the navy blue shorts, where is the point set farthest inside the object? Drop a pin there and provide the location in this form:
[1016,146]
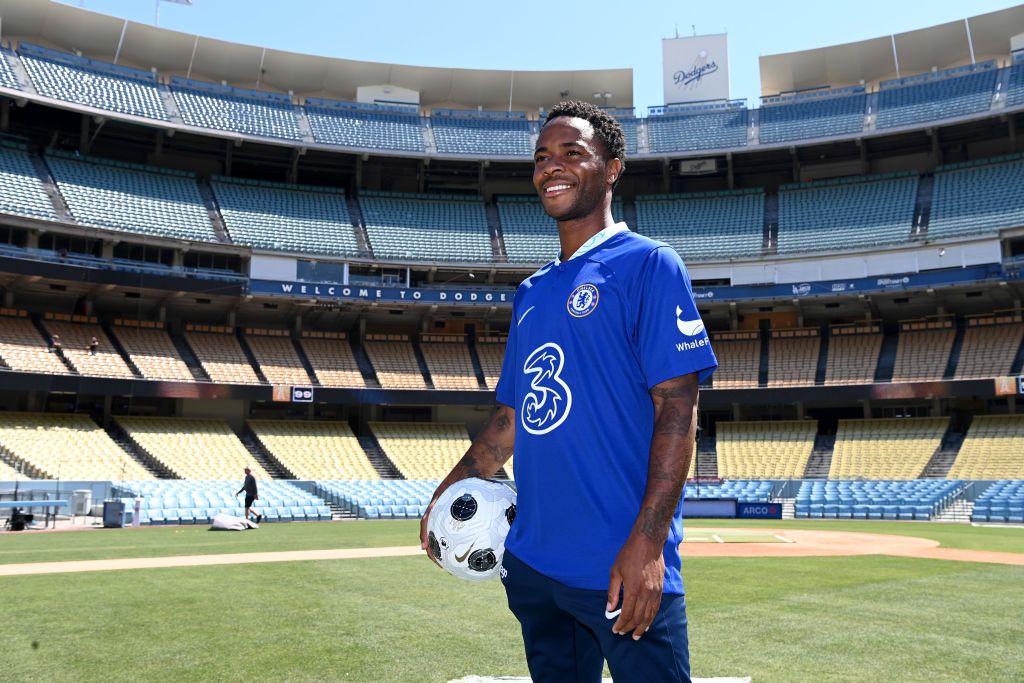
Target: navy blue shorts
[568,637]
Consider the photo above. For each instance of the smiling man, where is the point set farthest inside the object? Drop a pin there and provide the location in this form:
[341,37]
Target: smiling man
[598,399]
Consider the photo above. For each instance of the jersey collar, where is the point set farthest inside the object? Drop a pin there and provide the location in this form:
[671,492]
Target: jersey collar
[597,240]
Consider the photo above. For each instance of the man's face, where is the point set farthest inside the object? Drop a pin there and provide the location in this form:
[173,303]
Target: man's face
[570,171]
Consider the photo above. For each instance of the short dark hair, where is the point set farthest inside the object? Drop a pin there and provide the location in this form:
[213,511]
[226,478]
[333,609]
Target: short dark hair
[606,128]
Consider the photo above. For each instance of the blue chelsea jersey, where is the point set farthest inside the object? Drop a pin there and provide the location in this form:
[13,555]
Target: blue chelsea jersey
[589,338]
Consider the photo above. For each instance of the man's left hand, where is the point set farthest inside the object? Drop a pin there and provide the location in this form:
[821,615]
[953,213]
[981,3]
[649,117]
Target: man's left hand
[639,572]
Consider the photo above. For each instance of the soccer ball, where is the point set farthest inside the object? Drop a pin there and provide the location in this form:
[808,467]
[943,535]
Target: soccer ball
[467,528]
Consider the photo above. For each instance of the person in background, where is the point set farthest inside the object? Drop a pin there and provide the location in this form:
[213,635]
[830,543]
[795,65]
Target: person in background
[251,495]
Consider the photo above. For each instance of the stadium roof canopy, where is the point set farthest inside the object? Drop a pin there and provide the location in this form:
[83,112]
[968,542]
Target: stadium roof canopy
[893,56]
[143,46]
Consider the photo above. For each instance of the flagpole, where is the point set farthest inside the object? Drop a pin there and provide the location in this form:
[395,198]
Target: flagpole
[156,11]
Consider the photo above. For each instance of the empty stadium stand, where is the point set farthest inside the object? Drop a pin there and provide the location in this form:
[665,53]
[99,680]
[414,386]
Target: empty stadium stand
[885,448]
[992,449]
[423,450]
[65,446]
[8,79]
[490,133]
[23,347]
[426,226]
[934,96]
[793,357]
[846,214]
[248,112]
[220,354]
[990,345]
[491,352]
[21,190]
[705,225]
[131,197]
[739,359]
[764,450]
[853,351]
[151,350]
[815,114]
[742,491]
[198,502]
[920,500]
[1015,84]
[697,127]
[175,442]
[382,499]
[1003,501]
[315,449]
[923,350]
[277,357]
[367,126]
[331,357]
[979,196]
[296,218]
[76,334]
[394,361]
[448,360]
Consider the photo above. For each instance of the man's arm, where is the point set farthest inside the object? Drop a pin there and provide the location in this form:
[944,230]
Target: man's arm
[639,569]
[488,452]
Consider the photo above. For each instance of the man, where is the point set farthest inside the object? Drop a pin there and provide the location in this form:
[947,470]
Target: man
[251,494]
[598,398]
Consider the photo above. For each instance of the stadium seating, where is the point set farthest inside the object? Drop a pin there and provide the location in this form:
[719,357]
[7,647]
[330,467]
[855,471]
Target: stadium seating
[977,197]
[764,450]
[920,499]
[990,346]
[687,129]
[490,133]
[21,190]
[885,448]
[706,225]
[1003,501]
[426,227]
[422,450]
[151,350]
[8,79]
[332,359]
[818,114]
[491,352]
[930,97]
[8,473]
[742,491]
[23,347]
[65,446]
[394,361]
[198,502]
[530,235]
[992,449]
[76,333]
[92,83]
[846,214]
[449,362]
[739,359]
[249,112]
[315,449]
[1015,85]
[175,442]
[220,354]
[923,350]
[276,356]
[131,197]
[853,352]
[296,218]
[380,499]
[629,123]
[365,126]
[793,357]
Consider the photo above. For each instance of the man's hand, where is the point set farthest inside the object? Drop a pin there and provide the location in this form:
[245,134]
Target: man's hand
[639,573]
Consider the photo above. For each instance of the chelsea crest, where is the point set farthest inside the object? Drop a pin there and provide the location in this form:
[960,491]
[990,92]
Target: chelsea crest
[582,301]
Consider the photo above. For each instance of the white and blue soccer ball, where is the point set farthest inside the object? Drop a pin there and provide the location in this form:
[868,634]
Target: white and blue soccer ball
[467,528]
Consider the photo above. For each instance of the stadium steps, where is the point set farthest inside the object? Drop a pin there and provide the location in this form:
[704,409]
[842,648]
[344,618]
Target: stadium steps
[788,507]
[213,211]
[820,461]
[822,368]
[707,458]
[119,436]
[355,212]
[478,369]
[187,355]
[302,123]
[954,352]
[51,189]
[923,207]
[261,453]
[38,323]
[497,236]
[762,371]
[304,359]
[125,356]
[1002,87]
[249,356]
[770,229]
[421,362]
[957,512]
[375,454]
[887,356]
[170,104]
[945,455]
[429,143]
[1018,360]
[871,113]
[363,361]
[22,75]
[339,513]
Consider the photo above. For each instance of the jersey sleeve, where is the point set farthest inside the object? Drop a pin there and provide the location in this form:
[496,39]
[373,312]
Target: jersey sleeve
[505,392]
[670,334]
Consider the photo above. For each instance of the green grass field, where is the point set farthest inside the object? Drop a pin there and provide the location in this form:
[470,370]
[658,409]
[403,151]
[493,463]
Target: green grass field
[400,619]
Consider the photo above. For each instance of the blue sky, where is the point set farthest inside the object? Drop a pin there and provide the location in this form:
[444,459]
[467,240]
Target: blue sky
[532,35]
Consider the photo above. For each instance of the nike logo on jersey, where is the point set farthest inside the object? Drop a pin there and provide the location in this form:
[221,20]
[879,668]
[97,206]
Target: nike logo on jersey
[612,615]
[523,316]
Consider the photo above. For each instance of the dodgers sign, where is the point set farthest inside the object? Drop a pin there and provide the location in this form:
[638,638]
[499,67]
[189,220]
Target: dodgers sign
[695,69]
